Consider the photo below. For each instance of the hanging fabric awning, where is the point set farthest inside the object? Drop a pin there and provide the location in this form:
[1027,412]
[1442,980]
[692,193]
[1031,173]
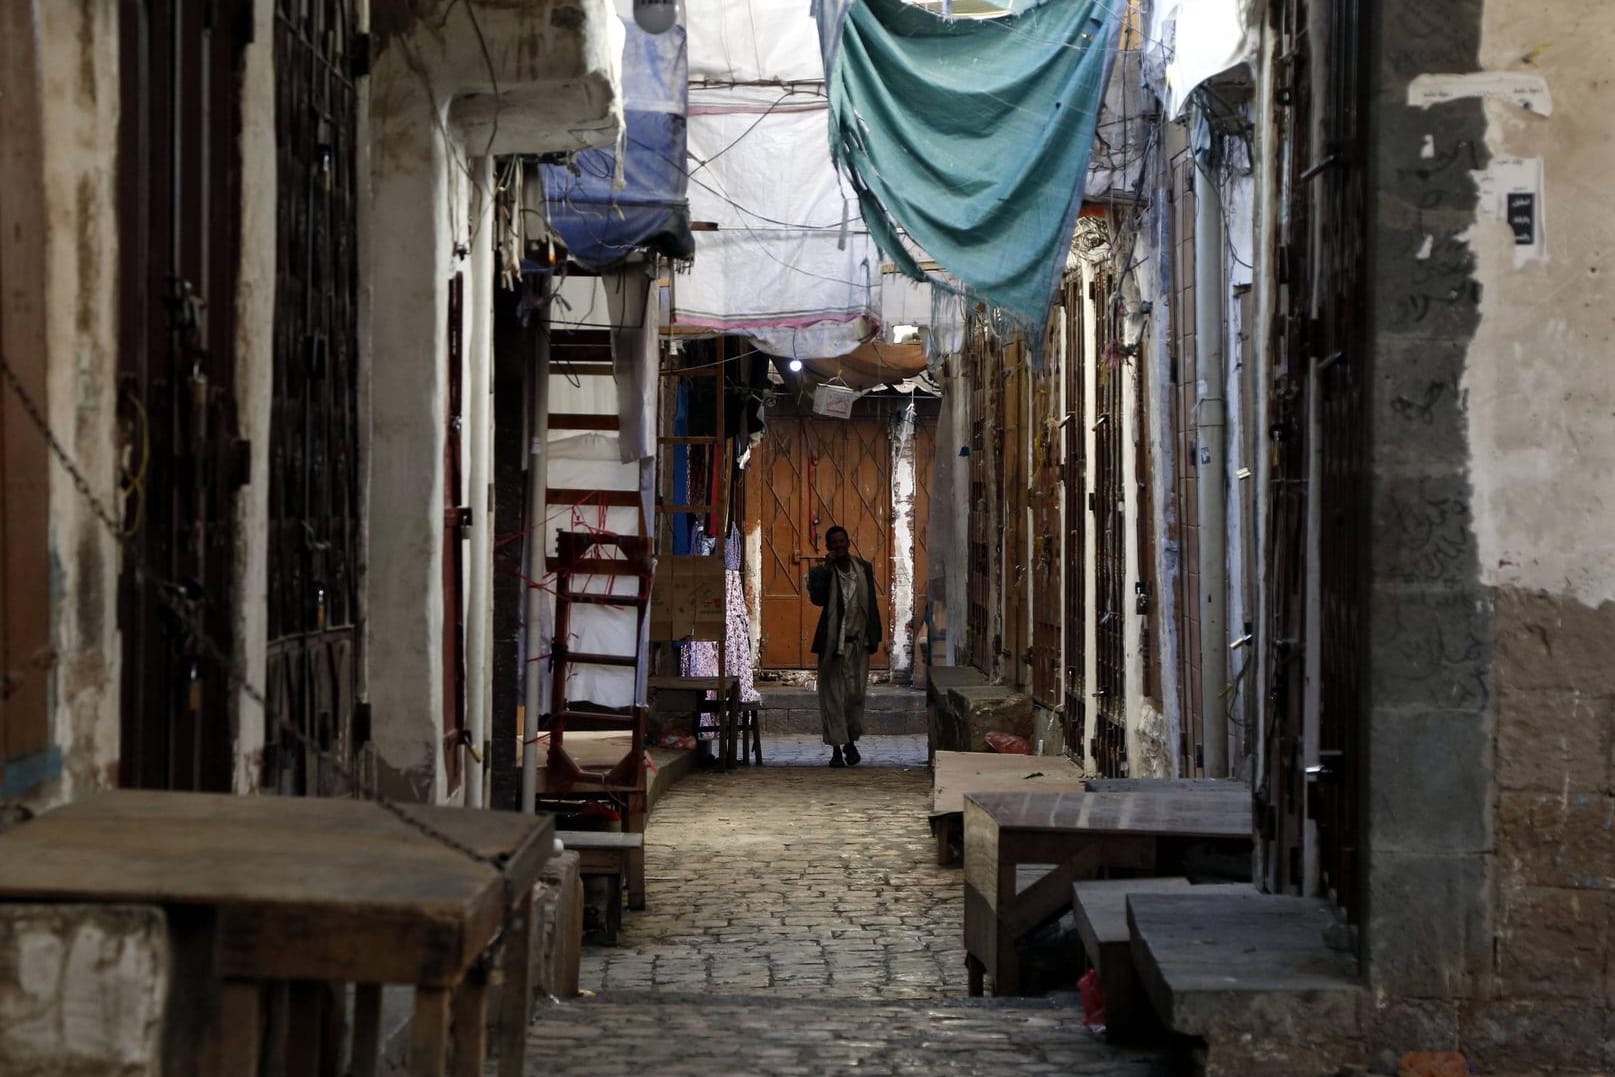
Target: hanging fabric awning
[971,136]
[602,216]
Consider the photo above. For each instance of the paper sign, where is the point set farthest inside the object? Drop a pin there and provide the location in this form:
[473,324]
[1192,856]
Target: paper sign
[1528,91]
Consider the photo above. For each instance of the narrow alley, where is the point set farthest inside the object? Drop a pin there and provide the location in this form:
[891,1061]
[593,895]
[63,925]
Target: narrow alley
[799,924]
[1138,472]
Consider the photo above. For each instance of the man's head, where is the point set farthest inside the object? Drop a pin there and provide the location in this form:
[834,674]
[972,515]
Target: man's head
[839,544]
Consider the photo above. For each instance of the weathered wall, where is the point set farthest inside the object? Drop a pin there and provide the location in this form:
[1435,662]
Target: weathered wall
[1428,749]
[1541,425]
[899,629]
[1491,866]
[82,990]
[433,107]
[70,78]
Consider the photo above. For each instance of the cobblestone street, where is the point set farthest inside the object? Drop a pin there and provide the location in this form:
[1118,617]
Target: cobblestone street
[798,924]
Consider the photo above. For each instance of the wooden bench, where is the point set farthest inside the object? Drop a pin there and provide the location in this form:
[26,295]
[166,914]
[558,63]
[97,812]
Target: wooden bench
[958,773]
[1083,835]
[604,857]
[285,900]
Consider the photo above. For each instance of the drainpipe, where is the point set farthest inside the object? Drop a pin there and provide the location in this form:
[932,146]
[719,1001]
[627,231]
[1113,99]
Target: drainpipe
[1210,438]
[538,427]
[479,608]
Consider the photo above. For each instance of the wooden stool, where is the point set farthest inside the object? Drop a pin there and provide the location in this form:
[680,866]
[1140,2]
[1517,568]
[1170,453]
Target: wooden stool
[750,733]
[604,855]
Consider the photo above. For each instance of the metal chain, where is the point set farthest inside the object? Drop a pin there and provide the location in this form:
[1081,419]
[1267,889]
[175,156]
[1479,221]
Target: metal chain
[168,594]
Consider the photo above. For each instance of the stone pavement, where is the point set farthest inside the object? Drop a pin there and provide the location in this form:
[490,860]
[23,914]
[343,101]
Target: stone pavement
[798,924]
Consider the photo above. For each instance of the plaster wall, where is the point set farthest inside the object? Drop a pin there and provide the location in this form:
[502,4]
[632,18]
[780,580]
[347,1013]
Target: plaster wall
[70,76]
[254,385]
[1541,428]
[900,630]
[83,990]
[452,81]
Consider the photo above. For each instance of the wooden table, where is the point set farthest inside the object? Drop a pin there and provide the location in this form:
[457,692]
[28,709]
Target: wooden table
[297,890]
[725,704]
[956,773]
[1079,834]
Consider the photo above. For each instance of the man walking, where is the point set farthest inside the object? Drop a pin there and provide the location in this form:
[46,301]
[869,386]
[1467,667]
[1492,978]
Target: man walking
[849,632]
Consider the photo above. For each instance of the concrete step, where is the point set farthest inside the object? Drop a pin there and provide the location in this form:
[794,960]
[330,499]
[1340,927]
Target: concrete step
[1216,960]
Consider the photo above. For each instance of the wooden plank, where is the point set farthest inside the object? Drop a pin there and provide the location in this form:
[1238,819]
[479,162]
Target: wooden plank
[305,1026]
[958,773]
[602,839]
[372,898]
[429,1032]
[566,495]
[240,1027]
[470,1025]
[575,421]
[1178,813]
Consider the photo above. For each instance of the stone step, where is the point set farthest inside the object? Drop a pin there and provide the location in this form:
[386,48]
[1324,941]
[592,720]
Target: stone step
[889,710]
[764,1034]
[1215,960]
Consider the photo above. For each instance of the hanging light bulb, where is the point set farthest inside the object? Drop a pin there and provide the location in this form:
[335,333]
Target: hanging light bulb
[796,366]
[656,16]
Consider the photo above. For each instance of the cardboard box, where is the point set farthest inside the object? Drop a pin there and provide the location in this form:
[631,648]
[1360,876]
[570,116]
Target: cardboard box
[687,598]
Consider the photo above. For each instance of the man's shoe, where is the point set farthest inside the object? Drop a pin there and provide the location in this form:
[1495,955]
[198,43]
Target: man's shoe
[836,760]
[851,751]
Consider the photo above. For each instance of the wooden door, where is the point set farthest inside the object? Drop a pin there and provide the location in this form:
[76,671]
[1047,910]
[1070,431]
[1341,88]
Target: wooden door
[1074,460]
[179,253]
[1046,598]
[1111,609]
[1013,565]
[820,472]
[787,546]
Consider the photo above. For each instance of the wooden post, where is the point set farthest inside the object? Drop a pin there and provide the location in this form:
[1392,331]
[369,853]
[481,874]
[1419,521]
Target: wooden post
[429,1032]
[518,987]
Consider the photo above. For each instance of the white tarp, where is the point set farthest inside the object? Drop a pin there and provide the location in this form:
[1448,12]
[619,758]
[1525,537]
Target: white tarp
[779,259]
[1190,41]
[735,41]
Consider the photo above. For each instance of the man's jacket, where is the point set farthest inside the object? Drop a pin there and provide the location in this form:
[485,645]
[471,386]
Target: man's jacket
[829,599]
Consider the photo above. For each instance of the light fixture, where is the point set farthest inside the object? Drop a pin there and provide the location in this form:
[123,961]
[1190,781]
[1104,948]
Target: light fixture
[656,16]
[796,366]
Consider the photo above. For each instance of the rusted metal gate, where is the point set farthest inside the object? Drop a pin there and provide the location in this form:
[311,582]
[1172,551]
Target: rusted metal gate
[983,363]
[1075,464]
[1048,600]
[314,431]
[1107,504]
[817,472]
[1186,481]
[1319,380]
[179,205]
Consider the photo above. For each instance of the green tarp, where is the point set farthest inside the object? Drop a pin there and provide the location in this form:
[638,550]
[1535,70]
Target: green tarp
[971,135]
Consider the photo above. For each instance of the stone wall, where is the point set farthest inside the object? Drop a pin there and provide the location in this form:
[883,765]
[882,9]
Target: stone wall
[1491,782]
[82,990]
